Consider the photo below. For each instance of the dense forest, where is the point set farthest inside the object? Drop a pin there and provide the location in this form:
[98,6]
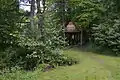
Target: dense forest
[32,37]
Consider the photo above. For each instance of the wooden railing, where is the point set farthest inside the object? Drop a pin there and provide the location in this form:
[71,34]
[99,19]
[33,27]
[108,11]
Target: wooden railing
[74,37]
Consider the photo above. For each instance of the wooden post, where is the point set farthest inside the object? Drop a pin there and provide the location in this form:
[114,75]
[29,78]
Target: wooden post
[81,37]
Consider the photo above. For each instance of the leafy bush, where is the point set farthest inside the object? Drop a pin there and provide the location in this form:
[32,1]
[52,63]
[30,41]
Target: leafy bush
[29,59]
[108,35]
[33,49]
[46,49]
[9,16]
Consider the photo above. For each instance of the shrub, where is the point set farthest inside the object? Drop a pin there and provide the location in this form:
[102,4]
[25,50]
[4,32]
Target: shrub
[108,35]
[29,59]
[27,48]
[38,49]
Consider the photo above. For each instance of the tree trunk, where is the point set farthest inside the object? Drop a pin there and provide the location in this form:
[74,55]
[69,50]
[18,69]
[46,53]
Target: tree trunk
[40,16]
[32,14]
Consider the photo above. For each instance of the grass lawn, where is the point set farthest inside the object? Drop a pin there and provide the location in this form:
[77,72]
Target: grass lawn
[91,66]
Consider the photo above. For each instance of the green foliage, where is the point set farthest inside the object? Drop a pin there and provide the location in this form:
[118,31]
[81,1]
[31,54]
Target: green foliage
[45,48]
[9,30]
[106,32]
[8,18]
[108,35]
[85,12]
[31,48]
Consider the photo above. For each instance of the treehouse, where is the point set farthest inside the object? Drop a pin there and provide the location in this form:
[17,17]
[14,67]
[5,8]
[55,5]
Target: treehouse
[74,35]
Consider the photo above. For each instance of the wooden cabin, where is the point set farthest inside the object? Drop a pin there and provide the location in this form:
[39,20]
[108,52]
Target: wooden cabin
[73,35]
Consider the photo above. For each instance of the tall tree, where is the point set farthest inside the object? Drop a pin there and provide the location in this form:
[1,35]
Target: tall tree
[32,14]
[40,14]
